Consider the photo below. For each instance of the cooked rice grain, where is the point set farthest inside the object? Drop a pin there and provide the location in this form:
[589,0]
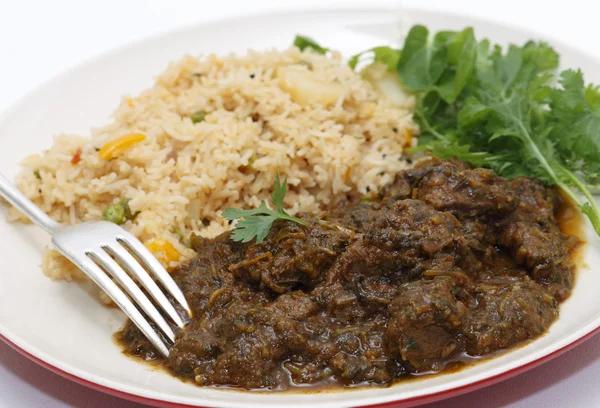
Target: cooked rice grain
[184,174]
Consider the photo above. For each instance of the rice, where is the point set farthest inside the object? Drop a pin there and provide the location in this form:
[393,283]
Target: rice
[184,174]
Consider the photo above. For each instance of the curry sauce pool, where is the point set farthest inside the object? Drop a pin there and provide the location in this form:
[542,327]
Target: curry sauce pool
[447,261]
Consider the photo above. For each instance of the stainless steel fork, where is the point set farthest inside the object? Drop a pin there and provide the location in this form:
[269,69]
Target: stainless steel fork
[99,249]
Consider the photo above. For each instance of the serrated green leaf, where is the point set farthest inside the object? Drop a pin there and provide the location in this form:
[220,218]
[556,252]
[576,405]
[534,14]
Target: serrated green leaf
[256,223]
[257,226]
[472,113]
[278,193]
[234,213]
[542,55]
[592,95]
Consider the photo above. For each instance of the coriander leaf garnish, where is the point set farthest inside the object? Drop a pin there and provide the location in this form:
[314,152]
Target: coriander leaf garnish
[257,223]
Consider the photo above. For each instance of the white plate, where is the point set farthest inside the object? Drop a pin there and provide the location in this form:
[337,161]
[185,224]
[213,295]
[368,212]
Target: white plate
[59,325]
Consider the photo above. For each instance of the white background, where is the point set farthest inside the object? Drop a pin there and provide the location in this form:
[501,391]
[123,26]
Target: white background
[39,39]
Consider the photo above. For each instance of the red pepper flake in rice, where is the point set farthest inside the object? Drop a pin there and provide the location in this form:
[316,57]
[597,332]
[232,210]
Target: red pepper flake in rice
[76,156]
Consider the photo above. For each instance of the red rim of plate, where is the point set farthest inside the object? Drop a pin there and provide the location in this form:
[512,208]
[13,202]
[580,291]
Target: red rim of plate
[405,403]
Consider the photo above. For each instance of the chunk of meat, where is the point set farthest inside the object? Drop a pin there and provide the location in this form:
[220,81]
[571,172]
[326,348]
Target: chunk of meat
[465,192]
[533,236]
[407,238]
[405,241]
[404,182]
[206,273]
[195,349]
[256,358]
[215,329]
[412,225]
[532,244]
[353,217]
[293,257]
[400,189]
[536,202]
[426,323]
[507,314]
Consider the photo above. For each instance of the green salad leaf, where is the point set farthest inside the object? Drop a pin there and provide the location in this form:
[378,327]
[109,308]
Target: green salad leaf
[422,62]
[505,109]
[444,64]
[385,55]
[303,42]
[257,223]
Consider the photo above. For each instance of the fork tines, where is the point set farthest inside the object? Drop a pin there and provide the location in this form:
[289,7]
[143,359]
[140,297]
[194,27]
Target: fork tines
[116,256]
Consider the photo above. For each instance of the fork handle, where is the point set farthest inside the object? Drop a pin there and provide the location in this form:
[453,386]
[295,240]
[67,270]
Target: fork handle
[26,206]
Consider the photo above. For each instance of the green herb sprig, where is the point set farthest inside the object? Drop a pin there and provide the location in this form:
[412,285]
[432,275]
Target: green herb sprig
[506,109]
[258,222]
